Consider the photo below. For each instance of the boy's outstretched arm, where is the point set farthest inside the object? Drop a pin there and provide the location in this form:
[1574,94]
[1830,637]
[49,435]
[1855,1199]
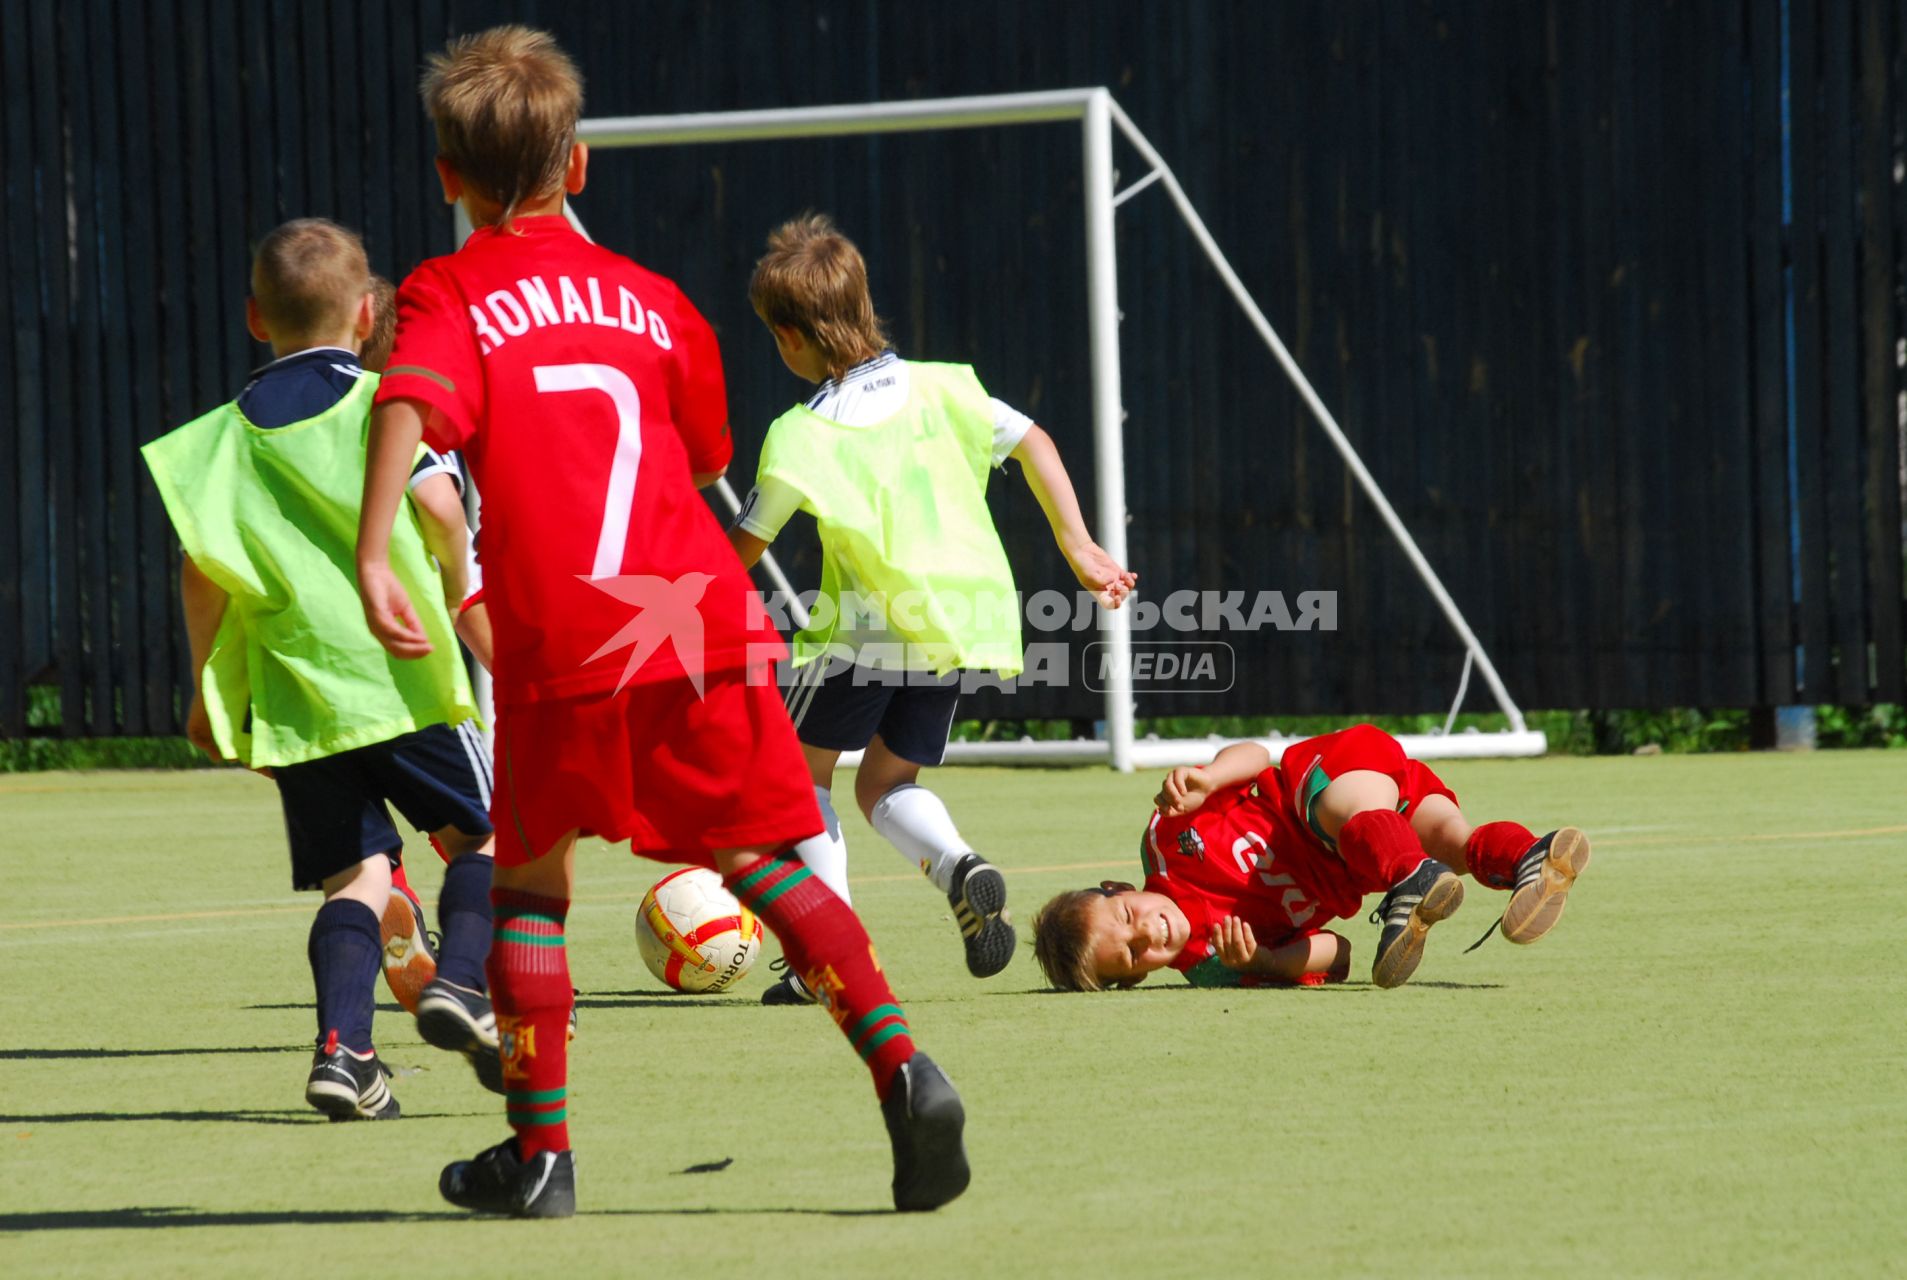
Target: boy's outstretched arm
[440,517]
[1187,786]
[397,427]
[1098,572]
[204,606]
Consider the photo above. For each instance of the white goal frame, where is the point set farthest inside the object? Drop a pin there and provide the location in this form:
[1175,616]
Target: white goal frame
[1098,115]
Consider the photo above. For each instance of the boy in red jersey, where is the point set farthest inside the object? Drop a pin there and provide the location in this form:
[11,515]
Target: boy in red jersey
[1245,862]
[587,393]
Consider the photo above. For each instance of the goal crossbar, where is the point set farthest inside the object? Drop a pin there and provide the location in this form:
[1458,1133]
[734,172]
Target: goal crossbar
[1099,116]
[840,120]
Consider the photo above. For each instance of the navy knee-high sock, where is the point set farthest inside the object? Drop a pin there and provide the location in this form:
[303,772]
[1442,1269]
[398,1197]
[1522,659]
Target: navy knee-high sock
[346,950]
[463,912]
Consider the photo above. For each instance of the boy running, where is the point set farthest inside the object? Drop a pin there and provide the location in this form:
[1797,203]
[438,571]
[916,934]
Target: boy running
[263,493]
[588,394]
[1240,851]
[891,457]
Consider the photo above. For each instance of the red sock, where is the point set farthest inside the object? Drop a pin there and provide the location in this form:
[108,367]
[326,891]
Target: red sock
[400,881]
[1380,848]
[824,941]
[1494,849]
[528,970]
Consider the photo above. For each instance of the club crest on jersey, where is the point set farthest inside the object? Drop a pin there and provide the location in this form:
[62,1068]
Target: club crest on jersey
[1192,844]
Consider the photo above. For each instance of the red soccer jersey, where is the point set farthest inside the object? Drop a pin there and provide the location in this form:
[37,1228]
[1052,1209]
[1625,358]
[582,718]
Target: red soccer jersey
[585,390]
[1241,854]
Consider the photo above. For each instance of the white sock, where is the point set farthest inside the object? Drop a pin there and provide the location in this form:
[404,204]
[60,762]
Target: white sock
[913,820]
[827,854]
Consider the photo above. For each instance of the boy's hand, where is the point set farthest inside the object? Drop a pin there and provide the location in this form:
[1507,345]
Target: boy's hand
[1100,574]
[198,729]
[1233,943]
[387,608]
[1185,789]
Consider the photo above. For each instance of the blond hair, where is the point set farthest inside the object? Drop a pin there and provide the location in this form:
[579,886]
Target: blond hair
[1063,942]
[377,347]
[505,102]
[813,279]
[308,277]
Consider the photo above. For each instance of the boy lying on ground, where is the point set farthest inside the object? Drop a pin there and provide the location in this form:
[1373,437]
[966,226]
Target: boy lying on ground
[1246,863]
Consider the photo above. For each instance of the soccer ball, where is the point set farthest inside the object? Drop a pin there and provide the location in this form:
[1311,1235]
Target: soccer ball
[694,935]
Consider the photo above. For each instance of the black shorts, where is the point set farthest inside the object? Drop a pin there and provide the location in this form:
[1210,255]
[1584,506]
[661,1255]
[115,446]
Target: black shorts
[334,807]
[837,706]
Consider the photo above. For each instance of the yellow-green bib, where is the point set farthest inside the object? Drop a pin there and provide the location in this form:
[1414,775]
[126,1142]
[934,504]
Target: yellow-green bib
[901,506]
[271,516]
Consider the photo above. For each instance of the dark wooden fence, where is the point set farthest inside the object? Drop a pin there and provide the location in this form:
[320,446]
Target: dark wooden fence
[1616,324]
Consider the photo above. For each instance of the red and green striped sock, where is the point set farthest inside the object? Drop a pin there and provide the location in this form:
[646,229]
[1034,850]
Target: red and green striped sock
[824,941]
[528,968]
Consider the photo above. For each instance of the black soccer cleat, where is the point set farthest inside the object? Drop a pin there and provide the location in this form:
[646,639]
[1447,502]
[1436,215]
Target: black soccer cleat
[459,1020]
[1430,893]
[497,1180]
[789,988]
[979,903]
[347,1087]
[924,1123]
[1544,877]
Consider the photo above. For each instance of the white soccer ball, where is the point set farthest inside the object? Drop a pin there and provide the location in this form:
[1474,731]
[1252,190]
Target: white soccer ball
[694,935]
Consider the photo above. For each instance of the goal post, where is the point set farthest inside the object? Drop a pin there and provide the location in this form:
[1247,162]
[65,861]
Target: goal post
[1098,115]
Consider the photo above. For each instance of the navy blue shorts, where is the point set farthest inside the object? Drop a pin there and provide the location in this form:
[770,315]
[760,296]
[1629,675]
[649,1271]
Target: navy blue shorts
[334,807]
[840,707]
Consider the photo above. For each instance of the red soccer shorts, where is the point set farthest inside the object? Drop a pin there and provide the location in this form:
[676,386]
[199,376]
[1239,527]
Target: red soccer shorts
[676,775]
[1307,767]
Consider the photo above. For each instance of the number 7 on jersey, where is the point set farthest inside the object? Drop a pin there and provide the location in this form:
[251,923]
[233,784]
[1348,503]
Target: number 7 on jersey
[615,384]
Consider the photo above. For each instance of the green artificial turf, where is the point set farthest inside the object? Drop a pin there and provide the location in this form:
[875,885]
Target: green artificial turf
[1699,1073]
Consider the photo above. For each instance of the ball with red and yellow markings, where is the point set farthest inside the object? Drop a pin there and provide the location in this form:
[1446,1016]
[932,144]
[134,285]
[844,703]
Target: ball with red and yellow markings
[694,935]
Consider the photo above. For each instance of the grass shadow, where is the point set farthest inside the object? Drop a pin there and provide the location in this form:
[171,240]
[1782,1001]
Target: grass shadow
[1187,988]
[1357,986]
[170,1216]
[657,1000]
[32,1055]
[306,1005]
[285,1116]
[741,1210]
[183,1117]
[1460,986]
